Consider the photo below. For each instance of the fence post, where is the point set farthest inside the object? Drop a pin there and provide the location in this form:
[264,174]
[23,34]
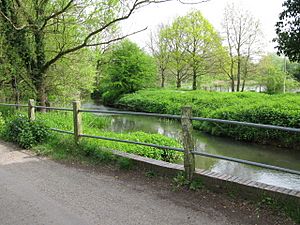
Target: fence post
[77,121]
[188,143]
[31,110]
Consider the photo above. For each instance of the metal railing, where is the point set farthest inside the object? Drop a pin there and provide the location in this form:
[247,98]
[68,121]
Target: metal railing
[186,122]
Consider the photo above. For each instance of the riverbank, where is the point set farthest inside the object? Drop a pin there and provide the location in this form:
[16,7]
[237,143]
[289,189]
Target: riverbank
[281,110]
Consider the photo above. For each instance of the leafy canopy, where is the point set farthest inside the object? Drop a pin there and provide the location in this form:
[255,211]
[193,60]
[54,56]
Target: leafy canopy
[129,70]
[288,30]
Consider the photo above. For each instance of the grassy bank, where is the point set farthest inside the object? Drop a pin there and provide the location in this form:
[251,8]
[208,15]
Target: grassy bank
[93,125]
[281,110]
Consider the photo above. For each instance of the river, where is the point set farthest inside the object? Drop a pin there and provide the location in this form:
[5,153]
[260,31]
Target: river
[219,146]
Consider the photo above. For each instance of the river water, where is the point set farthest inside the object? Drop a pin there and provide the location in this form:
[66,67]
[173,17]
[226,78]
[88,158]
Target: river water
[219,146]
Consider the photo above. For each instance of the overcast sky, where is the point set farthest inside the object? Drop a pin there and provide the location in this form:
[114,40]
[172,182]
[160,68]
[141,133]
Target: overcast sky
[265,10]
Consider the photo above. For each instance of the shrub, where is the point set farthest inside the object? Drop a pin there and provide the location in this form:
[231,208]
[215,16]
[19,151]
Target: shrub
[26,133]
[2,123]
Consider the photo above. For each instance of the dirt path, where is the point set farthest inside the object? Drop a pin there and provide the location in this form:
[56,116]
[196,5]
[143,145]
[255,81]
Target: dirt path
[40,191]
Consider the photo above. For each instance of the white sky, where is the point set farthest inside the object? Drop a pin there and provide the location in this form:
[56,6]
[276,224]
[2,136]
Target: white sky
[266,11]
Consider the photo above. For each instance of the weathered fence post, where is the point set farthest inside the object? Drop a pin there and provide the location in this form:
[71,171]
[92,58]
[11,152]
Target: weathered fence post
[188,143]
[31,110]
[77,121]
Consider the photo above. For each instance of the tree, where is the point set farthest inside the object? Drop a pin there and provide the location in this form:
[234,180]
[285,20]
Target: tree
[43,32]
[242,34]
[288,30]
[173,35]
[275,73]
[189,47]
[130,69]
[202,43]
[159,48]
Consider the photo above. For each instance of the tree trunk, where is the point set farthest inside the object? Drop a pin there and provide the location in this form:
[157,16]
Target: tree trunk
[194,79]
[178,82]
[39,71]
[162,84]
[238,84]
[232,85]
[16,93]
[243,85]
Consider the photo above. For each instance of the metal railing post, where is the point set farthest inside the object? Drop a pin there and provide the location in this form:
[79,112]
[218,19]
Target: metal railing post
[31,110]
[77,121]
[188,143]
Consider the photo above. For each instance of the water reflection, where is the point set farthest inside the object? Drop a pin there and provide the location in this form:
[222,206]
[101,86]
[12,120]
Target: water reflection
[219,146]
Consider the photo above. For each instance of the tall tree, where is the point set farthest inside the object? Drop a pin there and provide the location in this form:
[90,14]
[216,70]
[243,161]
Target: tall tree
[202,43]
[159,48]
[178,63]
[242,32]
[288,30]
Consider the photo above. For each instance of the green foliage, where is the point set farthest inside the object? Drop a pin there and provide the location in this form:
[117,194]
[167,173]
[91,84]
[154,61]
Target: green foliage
[95,125]
[272,74]
[2,123]
[124,163]
[7,111]
[281,110]
[196,184]
[180,181]
[26,133]
[129,69]
[287,30]
[289,206]
[150,152]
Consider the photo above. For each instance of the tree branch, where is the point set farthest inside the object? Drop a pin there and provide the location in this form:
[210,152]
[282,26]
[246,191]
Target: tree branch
[116,39]
[57,13]
[13,25]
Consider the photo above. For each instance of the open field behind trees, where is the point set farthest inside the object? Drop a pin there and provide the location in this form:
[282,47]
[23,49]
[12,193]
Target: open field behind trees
[281,110]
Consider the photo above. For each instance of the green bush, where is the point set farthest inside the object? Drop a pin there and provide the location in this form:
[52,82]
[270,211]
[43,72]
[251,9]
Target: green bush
[111,96]
[7,111]
[129,69]
[25,133]
[280,110]
[2,123]
[150,152]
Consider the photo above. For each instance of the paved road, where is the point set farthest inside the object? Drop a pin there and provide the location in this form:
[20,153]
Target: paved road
[38,191]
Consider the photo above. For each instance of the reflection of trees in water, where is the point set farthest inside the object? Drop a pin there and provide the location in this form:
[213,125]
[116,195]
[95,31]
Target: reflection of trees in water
[122,124]
[148,125]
